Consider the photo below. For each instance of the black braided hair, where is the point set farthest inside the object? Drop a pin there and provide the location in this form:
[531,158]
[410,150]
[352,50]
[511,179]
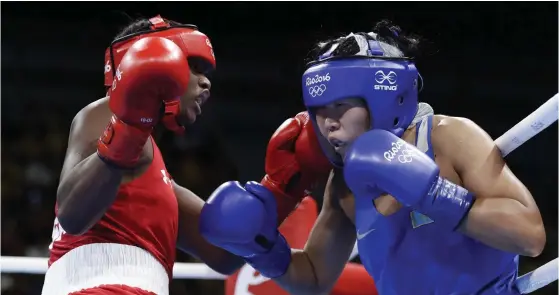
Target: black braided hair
[392,34]
[387,33]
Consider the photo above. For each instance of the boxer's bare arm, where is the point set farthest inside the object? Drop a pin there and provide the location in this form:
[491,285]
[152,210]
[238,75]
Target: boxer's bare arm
[316,269]
[190,240]
[504,215]
[87,185]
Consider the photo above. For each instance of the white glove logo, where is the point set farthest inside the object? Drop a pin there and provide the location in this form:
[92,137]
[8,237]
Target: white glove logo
[118,77]
[405,155]
[166,178]
[107,67]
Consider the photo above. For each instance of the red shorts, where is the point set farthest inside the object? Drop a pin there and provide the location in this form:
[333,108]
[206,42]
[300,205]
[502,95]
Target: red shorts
[112,289]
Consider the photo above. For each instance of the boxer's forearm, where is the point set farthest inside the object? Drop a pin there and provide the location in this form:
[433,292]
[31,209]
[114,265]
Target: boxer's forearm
[300,278]
[316,269]
[191,241]
[85,193]
[505,224]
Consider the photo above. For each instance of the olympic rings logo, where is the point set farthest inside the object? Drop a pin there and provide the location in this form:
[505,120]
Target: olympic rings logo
[317,90]
[405,155]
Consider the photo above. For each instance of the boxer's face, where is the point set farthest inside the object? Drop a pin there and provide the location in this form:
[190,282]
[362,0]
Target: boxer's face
[197,93]
[342,122]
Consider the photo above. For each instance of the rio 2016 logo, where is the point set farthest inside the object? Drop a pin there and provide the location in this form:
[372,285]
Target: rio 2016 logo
[317,79]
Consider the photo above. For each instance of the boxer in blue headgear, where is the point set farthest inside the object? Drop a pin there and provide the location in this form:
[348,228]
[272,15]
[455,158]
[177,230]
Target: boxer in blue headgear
[429,199]
[386,85]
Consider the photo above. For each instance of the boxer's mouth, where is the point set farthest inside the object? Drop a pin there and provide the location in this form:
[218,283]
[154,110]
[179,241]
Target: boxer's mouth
[201,99]
[337,144]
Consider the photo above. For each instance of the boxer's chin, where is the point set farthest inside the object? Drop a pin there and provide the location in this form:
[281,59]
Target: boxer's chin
[191,115]
[187,117]
[341,150]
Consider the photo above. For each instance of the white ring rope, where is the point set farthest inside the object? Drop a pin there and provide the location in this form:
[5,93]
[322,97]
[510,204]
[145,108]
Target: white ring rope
[39,265]
[533,124]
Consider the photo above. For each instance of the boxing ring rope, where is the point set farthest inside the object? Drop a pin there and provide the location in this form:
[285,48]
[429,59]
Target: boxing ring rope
[533,124]
[38,265]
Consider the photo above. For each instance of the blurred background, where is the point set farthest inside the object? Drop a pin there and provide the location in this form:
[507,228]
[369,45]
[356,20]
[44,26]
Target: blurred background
[493,63]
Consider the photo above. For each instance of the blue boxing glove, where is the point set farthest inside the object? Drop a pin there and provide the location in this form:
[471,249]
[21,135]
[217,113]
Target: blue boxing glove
[243,221]
[379,160]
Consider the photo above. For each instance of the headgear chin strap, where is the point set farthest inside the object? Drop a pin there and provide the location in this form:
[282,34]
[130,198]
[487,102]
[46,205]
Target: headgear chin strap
[389,86]
[192,42]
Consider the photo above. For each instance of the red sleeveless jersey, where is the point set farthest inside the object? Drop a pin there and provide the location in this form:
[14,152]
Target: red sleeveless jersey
[143,219]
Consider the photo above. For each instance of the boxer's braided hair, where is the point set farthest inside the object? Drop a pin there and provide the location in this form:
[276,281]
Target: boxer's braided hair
[393,41]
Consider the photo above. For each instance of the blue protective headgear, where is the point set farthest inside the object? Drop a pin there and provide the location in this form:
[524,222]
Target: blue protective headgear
[389,86]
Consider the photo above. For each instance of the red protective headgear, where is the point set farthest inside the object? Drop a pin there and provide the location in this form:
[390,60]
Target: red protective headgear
[192,42]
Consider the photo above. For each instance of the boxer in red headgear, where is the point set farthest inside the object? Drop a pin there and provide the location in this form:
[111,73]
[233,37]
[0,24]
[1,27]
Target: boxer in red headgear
[119,214]
[295,164]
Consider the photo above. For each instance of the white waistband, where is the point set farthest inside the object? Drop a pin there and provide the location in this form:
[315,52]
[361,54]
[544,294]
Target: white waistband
[93,265]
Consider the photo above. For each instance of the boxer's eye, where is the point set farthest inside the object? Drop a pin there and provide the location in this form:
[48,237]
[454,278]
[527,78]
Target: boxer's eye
[200,66]
[339,104]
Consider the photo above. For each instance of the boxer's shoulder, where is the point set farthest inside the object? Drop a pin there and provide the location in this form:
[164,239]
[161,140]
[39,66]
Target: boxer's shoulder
[449,133]
[459,139]
[87,125]
[453,126]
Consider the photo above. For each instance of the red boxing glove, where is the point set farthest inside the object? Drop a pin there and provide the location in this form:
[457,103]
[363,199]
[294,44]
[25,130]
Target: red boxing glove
[153,74]
[295,163]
